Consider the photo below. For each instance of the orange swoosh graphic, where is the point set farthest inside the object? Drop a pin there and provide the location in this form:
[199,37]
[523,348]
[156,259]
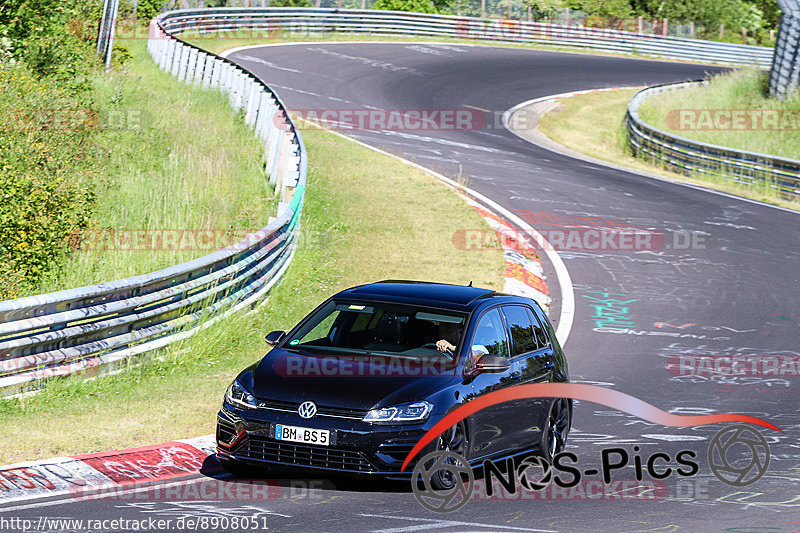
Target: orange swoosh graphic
[578,391]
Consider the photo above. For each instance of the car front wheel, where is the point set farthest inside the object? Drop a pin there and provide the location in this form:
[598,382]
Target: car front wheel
[554,434]
[453,440]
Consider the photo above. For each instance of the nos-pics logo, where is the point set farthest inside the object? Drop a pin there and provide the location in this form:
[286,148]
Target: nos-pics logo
[443,481]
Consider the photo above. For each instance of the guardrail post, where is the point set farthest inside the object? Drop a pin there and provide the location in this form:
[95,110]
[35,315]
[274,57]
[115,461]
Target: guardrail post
[252,101]
[263,115]
[208,71]
[225,78]
[186,70]
[215,83]
[166,62]
[274,147]
[176,58]
[199,68]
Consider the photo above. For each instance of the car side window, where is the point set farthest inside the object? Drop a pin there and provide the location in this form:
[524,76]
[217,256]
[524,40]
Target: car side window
[541,334]
[520,328]
[490,336]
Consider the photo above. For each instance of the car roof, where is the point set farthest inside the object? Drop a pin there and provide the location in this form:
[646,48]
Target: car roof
[459,297]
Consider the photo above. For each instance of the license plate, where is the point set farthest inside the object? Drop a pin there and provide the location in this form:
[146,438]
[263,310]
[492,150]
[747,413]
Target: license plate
[305,435]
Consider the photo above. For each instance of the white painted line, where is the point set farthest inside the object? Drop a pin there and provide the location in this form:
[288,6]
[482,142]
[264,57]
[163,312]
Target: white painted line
[427,524]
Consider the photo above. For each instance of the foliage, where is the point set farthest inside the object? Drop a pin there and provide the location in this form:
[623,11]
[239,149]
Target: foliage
[147,9]
[734,13]
[290,3]
[603,8]
[48,171]
[420,6]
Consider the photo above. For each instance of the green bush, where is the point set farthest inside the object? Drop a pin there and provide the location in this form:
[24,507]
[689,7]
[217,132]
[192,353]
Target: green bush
[290,3]
[420,6]
[48,171]
[147,9]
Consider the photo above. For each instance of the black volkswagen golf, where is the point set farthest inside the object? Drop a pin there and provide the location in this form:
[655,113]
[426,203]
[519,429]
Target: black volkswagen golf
[353,387]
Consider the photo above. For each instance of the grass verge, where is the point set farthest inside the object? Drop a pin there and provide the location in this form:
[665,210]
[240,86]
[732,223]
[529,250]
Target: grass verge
[367,217]
[592,124]
[178,161]
[744,90]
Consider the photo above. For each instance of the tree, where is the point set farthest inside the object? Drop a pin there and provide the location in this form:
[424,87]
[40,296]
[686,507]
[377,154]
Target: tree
[420,6]
[290,3]
[602,8]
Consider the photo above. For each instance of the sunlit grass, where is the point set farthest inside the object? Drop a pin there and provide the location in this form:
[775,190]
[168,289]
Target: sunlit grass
[738,90]
[179,161]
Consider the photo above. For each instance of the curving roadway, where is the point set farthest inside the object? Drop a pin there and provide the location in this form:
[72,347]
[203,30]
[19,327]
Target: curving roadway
[733,292]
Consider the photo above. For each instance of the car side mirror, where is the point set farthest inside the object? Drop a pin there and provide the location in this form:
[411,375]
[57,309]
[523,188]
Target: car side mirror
[491,363]
[274,337]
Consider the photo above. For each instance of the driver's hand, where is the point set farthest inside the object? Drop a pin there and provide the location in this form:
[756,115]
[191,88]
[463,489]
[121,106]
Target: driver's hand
[444,346]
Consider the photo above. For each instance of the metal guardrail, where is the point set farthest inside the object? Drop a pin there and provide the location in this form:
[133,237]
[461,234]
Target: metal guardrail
[91,328]
[688,155]
[784,78]
[315,21]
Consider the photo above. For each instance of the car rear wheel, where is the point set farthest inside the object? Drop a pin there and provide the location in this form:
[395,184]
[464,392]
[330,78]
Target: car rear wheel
[454,440]
[554,434]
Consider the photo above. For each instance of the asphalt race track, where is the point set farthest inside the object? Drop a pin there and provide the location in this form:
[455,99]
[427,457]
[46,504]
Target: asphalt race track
[733,291]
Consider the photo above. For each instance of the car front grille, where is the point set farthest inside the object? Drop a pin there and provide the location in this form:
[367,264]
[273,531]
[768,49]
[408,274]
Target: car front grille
[265,449]
[322,410]
[226,432]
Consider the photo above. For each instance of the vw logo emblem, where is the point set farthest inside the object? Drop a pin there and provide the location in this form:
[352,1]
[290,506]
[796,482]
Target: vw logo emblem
[307,410]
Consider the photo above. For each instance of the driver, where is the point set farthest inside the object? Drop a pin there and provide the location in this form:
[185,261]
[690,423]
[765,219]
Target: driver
[449,334]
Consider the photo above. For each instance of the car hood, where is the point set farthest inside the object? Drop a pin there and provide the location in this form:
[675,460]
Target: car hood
[360,383]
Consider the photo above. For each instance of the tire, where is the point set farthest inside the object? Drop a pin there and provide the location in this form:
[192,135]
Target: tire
[556,428]
[454,440]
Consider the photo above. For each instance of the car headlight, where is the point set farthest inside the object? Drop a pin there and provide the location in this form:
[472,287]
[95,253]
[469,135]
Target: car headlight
[399,414]
[238,396]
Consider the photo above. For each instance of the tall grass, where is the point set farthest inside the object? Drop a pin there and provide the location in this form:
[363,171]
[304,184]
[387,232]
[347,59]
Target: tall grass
[178,161]
[744,89]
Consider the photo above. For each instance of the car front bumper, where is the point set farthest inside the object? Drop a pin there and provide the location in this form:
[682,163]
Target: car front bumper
[357,448]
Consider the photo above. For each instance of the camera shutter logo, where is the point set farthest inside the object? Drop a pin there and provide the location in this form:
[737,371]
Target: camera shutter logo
[534,463]
[445,464]
[307,410]
[738,455]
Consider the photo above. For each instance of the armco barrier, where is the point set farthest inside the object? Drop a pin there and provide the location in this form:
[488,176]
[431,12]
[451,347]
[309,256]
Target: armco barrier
[314,21]
[687,155]
[91,327]
[784,78]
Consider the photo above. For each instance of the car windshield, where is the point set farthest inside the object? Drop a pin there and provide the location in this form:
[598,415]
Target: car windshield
[380,328]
